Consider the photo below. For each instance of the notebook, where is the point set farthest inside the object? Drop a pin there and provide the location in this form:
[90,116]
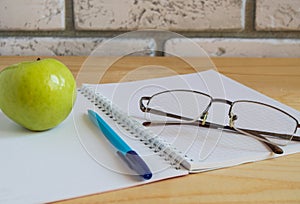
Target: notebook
[196,149]
[74,159]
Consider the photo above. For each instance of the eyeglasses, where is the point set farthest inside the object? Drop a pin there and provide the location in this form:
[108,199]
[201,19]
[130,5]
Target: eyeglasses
[264,122]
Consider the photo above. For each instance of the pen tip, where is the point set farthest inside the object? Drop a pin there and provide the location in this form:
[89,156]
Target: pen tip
[147,123]
[147,176]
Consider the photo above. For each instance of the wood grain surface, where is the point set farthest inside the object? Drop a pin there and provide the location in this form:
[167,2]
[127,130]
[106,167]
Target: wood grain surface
[270,181]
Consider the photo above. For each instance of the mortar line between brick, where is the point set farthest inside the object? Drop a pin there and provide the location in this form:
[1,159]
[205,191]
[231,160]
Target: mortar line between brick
[249,16]
[69,15]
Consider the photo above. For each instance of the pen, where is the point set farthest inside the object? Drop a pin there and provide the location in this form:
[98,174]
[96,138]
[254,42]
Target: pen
[131,158]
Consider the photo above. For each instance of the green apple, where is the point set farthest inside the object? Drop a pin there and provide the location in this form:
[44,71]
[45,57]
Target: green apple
[38,95]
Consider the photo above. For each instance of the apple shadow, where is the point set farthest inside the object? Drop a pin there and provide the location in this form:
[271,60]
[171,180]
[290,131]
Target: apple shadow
[9,128]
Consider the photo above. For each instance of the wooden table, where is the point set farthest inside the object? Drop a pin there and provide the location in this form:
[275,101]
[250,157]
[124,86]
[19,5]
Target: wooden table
[270,181]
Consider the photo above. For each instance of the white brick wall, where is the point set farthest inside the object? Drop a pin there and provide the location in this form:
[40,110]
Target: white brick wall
[223,47]
[278,15]
[46,27]
[32,15]
[47,46]
[187,15]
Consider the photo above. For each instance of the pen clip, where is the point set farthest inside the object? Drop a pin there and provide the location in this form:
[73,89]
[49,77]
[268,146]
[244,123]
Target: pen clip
[136,163]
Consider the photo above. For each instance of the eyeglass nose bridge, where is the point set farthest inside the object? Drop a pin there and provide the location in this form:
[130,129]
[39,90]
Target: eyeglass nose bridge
[219,100]
[230,103]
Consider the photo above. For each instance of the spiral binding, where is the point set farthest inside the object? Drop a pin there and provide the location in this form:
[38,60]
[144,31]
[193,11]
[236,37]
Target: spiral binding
[146,136]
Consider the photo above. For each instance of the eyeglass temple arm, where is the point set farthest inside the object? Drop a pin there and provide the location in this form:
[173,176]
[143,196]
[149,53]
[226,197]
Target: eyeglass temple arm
[276,149]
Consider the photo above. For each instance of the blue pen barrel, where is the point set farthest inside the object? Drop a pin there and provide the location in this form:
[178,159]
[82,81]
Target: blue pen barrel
[132,159]
[108,132]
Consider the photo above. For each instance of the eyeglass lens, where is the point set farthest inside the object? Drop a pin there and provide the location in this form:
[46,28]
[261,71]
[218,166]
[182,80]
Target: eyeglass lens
[257,118]
[190,105]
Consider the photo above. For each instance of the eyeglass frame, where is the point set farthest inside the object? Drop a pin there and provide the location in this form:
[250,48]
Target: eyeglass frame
[253,133]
